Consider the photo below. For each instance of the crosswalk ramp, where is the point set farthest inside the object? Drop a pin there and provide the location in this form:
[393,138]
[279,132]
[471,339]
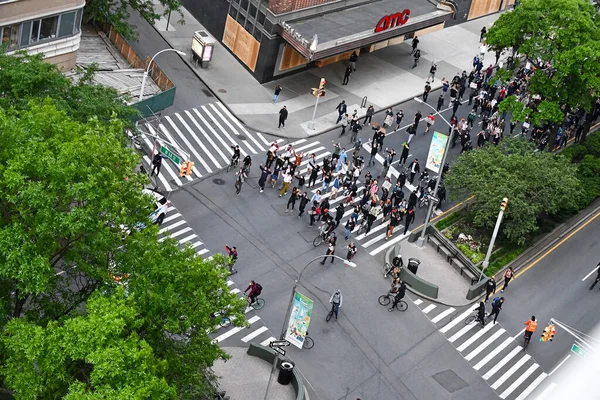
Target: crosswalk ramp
[206,134]
[499,358]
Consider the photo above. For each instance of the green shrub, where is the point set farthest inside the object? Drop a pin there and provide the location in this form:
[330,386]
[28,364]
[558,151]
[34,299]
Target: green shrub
[575,152]
[592,144]
[474,255]
[501,258]
[449,220]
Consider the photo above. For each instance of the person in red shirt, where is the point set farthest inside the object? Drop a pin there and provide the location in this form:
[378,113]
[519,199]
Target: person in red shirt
[254,290]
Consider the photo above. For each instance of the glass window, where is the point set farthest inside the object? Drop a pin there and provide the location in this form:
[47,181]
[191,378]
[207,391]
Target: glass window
[241,19]
[261,18]
[66,24]
[257,35]
[78,21]
[48,28]
[25,28]
[10,36]
[244,5]
[252,11]
[35,31]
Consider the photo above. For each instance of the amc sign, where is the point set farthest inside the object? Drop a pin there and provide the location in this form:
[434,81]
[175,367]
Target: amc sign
[391,21]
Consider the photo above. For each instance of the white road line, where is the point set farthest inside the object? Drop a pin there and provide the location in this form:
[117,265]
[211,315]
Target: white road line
[532,387]
[561,363]
[458,319]
[175,234]
[511,371]
[235,120]
[254,334]
[192,148]
[518,381]
[519,334]
[171,217]
[230,282]
[235,330]
[245,142]
[174,225]
[308,146]
[473,338]
[461,332]
[172,140]
[374,240]
[442,315]
[297,142]
[196,244]
[389,243]
[188,238]
[485,344]
[547,391]
[203,251]
[502,362]
[261,137]
[234,291]
[217,135]
[428,308]
[248,309]
[208,138]
[417,302]
[588,275]
[163,181]
[165,166]
[493,354]
[204,148]
[266,342]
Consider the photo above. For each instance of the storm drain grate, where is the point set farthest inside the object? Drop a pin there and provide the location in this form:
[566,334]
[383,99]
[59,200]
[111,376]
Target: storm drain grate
[218,181]
[450,381]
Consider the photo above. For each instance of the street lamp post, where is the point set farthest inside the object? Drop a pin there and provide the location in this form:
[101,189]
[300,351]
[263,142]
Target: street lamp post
[421,240]
[181,53]
[287,313]
[486,262]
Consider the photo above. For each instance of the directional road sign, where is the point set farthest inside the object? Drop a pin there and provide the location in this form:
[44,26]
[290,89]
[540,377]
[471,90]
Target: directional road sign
[279,350]
[279,343]
[578,350]
[170,155]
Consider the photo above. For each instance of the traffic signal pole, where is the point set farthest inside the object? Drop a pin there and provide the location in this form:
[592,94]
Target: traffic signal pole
[317,93]
[311,124]
[486,262]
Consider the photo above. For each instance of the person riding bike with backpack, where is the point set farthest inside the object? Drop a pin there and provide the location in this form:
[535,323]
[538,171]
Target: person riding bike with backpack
[531,327]
[399,295]
[255,290]
[247,163]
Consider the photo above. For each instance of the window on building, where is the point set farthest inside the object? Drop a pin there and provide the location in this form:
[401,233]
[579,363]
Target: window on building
[67,21]
[244,5]
[48,28]
[78,21]
[10,36]
[252,11]
[261,18]
[257,35]
[241,19]
[35,31]
[25,30]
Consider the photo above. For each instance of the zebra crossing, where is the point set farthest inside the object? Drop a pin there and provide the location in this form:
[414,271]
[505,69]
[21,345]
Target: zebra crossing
[491,351]
[206,133]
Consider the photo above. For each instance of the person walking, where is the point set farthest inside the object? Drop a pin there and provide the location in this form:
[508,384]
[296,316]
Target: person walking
[355,128]
[287,179]
[496,307]
[432,71]
[597,277]
[405,151]
[394,222]
[490,288]
[336,301]
[417,119]
[292,200]
[399,117]
[508,275]
[353,60]
[345,122]
[156,163]
[455,105]
[483,33]
[278,90]
[410,217]
[415,43]
[373,153]
[283,114]
[369,115]
[414,169]
[233,256]
[347,74]
[264,174]
[440,102]
[350,225]
[416,57]
[330,249]
[303,202]
[373,214]
[341,109]
[426,91]
[430,120]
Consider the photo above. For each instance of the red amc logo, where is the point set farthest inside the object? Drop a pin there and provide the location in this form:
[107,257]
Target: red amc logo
[391,21]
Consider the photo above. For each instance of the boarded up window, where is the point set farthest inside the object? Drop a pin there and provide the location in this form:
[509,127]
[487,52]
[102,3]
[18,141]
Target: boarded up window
[241,42]
[291,58]
[485,7]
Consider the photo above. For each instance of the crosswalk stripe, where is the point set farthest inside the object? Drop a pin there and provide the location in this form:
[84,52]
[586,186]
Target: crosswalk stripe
[190,147]
[389,243]
[266,342]
[547,391]
[162,179]
[235,330]
[418,301]
[532,386]
[234,291]
[492,354]
[485,344]
[175,225]
[518,381]
[514,368]
[202,146]
[208,138]
[308,146]
[476,336]
[196,244]
[172,140]
[165,166]
[171,218]
[203,251]
[175,234]
[188,238]
[427,309]
[442,315]
[461,332]
[502,363]
[235,132]
[261,137]
[254,334]
[458,319]
[214,132]
[297,142]
[237,122]
[230,282]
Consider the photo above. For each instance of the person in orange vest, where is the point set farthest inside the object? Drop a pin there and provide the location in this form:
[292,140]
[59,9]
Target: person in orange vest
[531,327]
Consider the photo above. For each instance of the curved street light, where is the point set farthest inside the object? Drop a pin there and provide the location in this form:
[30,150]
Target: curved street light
[181,53]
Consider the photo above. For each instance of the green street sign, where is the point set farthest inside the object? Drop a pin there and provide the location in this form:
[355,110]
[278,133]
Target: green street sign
[170,155]
[577,350]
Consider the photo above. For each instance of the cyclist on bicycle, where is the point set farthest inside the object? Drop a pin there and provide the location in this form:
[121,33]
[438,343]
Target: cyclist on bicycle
[399,296]
[481,313]
[336,301]
[531,327]
[255,290]
[236,154]
[247,163]
[396,283]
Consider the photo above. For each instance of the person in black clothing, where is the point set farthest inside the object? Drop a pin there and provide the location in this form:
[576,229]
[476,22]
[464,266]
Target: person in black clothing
[399,296]
[415,43]
[156,163]
[417,119]
[401,179]
[313,176]
[416,57]
[339,213]
[481,313]
[496,308]
[397,261]
[292,199]
[347,74]
[410,217]
[597,277]
[283,114]
[264,173]
[440,102]
[490,288]
[426,91]
[413,198]
[303,202]
[330,248]
[414,169]
[455,105]
[405,151]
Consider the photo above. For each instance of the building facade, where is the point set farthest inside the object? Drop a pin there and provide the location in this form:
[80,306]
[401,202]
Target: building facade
[274,38]
[50,27]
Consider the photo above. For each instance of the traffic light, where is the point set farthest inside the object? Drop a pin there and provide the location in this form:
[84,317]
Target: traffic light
[190,168]
[322,83]
[548,333]
[504,204]
[184,168]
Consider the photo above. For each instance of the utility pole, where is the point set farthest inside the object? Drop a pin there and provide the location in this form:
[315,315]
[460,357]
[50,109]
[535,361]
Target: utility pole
[317,92]
[486,262]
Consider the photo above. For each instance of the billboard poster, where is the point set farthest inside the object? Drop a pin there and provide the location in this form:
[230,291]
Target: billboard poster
[299,320]
[436,152]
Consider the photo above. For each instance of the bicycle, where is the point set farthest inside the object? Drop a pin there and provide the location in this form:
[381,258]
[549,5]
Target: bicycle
[322,237]
[331,312]
[386,299]
[258,304]
[474,318]
[388,269]
[526,339]
[235,161]
[224,321]
[308,342]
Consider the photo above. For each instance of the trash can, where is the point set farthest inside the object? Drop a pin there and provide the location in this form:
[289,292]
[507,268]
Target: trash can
[286,371]
[413,265]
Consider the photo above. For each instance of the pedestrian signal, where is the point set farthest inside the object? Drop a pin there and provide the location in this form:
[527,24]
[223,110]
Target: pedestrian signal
[504,204]
[190,168]
[322,83]
[548,333]
[184,168]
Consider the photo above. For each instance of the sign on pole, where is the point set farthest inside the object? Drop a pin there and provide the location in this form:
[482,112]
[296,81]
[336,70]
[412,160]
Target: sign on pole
[279,343]
[279,350]
[436,152]
[575,348]
[170,155]
[299,320]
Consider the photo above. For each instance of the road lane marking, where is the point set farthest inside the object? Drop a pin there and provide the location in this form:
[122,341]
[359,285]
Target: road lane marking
[266,342]
[254,334]
[502,363]
[493,354]
[588,275]
[532,387]
[458,319]
[518,381]
[235,121]
[547,391]
[511,371]
[442,315]
[473,338]
[235,330]
[485,344]
[206,136]
[561,363]
[518,334]
[244,141]
[417,302]
[460,333]
[428,308]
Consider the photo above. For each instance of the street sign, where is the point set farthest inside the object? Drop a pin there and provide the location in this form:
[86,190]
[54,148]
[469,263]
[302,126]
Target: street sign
[170,155]
[279,343]
[578,350]
[279,350]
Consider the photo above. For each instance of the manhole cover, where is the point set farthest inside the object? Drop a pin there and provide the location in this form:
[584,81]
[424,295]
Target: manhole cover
[450,381]
[222,91]
[218,181]
[241,137]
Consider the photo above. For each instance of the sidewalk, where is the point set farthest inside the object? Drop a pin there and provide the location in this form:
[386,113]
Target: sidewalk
[385,77]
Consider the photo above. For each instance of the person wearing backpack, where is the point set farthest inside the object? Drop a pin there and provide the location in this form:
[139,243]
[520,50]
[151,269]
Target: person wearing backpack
[496,307]
[490,288]
[255,289]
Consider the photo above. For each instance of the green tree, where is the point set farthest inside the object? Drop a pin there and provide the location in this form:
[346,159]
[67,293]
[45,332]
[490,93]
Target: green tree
[117,12]
[535,184]
[565,34]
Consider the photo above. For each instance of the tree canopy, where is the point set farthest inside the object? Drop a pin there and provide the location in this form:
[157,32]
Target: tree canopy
[535,183]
